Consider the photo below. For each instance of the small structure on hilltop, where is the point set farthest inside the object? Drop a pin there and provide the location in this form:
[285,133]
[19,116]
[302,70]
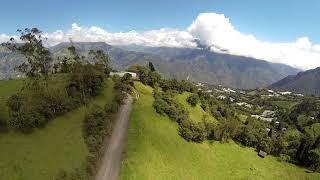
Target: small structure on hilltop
[262,154]
[121,74]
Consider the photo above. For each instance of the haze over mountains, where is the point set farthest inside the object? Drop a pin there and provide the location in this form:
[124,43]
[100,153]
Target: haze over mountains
[200,65]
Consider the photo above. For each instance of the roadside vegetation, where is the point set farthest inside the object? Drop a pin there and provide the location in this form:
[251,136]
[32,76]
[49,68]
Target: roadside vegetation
[97,126]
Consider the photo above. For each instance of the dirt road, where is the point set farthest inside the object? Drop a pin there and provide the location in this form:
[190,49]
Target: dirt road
[110,166]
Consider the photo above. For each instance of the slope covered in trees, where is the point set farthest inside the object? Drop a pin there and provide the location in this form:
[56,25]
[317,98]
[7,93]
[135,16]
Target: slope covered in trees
[307,82]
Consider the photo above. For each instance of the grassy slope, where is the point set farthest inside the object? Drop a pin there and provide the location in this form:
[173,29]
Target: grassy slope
[7,88]
[41,154]
[195,113]
[156,151]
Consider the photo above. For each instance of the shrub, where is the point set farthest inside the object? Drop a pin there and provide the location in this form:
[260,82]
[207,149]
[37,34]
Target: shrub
[164,104]
[95,128]
[227,129]
[192,131]
[314,159]
[193,99]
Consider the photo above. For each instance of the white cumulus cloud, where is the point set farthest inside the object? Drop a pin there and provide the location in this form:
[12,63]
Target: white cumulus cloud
[161,37]
[216,30]
[211,29]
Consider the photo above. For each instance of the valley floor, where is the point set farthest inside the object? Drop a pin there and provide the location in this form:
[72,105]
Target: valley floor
[154,150]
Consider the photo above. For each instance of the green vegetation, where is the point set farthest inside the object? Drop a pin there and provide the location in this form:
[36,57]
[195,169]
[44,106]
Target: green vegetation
[46,151]
[46,95]
[47,136]
[196,113]
[156,151]
[97,125]
[7,89]
[285,104]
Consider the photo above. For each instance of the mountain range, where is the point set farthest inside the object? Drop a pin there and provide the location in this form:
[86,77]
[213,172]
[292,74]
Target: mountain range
[307,82]
[199,65]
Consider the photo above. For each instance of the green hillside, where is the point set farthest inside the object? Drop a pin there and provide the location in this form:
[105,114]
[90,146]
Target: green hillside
[155,151]
[7,88]
[43,153]
[196,113]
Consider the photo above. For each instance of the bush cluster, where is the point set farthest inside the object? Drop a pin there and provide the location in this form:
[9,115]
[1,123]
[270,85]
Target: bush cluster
[193,100]
[177,86]
[164,104]
[43,100]
[189,130]
[193,131]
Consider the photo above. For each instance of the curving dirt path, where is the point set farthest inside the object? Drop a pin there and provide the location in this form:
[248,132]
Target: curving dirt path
[111,161]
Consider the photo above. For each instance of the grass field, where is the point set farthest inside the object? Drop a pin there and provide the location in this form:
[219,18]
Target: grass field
[7,88]
[41,154]
[195,113]
[154,151]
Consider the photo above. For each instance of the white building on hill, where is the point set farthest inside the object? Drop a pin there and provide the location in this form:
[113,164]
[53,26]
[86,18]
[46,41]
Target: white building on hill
[121,74]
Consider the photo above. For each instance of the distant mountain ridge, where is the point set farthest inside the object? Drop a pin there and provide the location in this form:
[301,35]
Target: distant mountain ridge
[199,65]
[307,82]
[219,68]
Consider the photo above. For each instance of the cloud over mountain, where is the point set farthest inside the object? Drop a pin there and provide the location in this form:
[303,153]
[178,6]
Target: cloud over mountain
[161,37]
[210,29]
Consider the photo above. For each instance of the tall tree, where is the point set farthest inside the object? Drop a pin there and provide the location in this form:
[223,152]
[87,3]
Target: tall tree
[101,59]
[151,67]
[38,58]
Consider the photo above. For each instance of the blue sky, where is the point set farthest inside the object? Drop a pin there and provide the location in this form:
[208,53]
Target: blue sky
[279,31]
[272,20]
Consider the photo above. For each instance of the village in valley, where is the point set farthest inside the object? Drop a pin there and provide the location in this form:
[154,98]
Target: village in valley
[268,106]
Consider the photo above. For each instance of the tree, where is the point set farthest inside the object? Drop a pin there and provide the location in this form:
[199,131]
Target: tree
[101,60]
[38,58]
[193,131]
[227,129]
[193,99]
[127,79]
[64,64]
[145,75]
[151,67]
[314,159]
